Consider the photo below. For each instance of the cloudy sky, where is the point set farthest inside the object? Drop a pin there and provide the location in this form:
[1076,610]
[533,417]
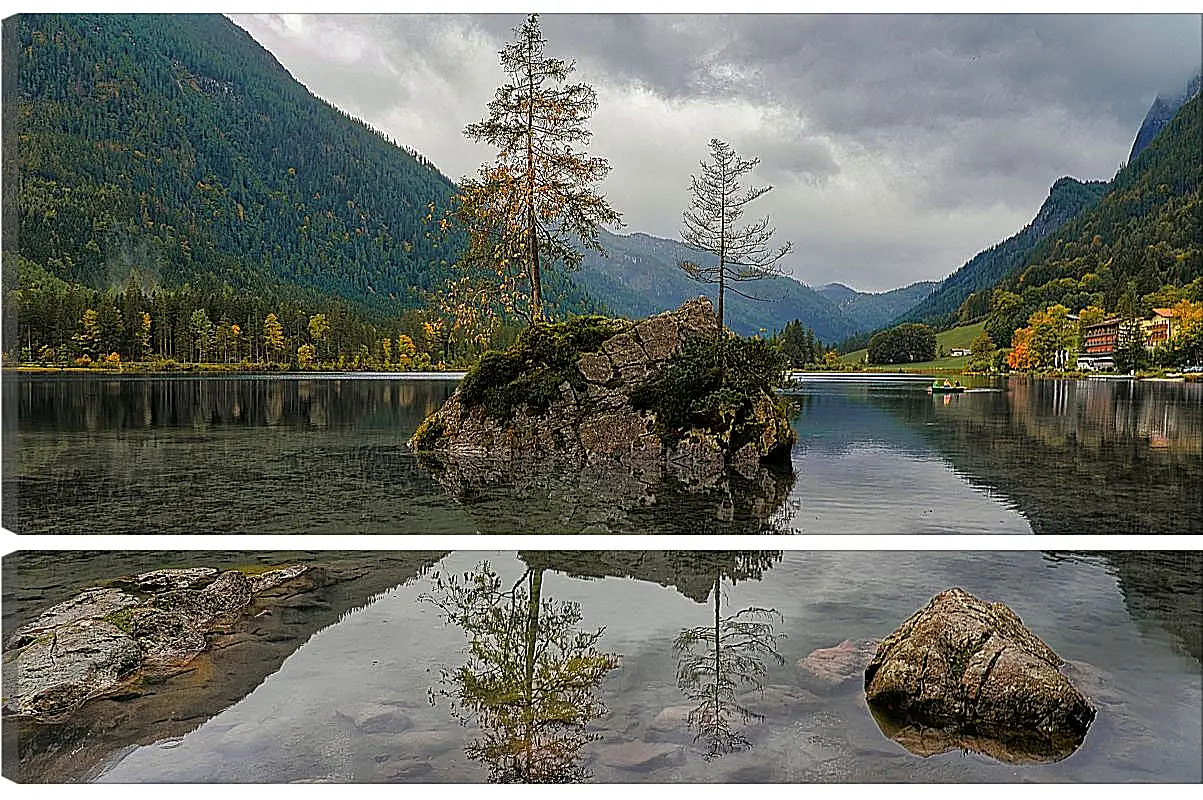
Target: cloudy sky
[898,146]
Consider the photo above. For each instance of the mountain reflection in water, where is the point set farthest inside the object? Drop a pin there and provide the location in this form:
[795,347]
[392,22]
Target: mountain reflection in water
[1082,457]
[327,454]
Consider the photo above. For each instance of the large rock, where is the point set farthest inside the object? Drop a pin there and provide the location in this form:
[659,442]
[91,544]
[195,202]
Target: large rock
[101,639]
[593,421]
[972,671]
[94,603]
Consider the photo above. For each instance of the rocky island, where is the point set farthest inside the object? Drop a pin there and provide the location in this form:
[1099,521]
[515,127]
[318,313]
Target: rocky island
[663,396]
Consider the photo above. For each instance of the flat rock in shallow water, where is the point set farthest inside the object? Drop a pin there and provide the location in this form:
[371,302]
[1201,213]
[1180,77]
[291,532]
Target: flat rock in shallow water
[60,670]
[673,718]
[265,581]
[94,643]
[163,579]
[167,638]
[418,743]
[402,769]
[376,718]
[95,603]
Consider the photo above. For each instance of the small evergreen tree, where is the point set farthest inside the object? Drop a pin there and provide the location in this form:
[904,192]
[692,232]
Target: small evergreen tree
[711,223]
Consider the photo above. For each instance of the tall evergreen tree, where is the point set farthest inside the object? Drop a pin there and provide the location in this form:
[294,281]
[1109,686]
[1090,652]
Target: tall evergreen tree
[527,209]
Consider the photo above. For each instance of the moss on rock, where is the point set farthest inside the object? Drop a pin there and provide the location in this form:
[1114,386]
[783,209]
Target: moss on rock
[532,370]
[694,391]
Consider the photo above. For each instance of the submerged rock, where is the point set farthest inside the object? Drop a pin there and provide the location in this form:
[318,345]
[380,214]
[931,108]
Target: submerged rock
[832,666]
[778,701]
[971,671]
[672,718]
[640,756]
[585,393]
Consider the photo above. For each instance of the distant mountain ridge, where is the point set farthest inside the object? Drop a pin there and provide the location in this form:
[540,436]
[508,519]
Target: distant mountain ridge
[640,275]
[872,310]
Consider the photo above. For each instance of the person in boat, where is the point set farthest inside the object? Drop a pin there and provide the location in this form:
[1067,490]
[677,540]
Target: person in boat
[947,385]
[957,385]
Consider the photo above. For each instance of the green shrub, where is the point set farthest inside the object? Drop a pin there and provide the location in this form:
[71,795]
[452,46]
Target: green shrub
[693,389]
[428,434]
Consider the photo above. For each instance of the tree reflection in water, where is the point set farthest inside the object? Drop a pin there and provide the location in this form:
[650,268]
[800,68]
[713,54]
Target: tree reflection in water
[717,662]
[530,677]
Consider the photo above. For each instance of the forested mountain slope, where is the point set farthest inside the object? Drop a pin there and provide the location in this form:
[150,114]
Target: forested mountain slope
[1163,109]
[947,305]
[1146,232]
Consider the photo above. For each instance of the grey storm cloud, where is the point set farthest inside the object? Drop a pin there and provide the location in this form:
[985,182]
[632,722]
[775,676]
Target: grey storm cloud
[898,145]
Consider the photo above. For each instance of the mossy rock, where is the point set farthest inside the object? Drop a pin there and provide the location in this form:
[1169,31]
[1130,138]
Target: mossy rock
[671,388]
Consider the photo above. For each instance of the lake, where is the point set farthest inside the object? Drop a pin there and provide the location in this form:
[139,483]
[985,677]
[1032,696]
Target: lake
[326,454]
[335,688]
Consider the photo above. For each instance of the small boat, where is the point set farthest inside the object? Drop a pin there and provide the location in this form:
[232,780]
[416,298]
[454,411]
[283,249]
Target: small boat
[945,389]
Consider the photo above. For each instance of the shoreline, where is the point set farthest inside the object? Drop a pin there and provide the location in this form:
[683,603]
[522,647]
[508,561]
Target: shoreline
[896,372]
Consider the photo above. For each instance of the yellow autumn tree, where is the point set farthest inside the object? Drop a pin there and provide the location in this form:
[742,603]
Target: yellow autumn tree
[1020,356]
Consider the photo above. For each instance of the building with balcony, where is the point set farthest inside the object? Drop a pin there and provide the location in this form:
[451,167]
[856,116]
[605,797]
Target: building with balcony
[1098,345]
[1161,328]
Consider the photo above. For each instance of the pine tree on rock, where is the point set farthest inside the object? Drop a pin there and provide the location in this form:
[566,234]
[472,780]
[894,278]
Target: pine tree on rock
[711,224]
[526,210]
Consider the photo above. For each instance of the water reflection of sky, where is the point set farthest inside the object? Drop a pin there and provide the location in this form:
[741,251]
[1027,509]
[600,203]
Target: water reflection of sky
[296,724]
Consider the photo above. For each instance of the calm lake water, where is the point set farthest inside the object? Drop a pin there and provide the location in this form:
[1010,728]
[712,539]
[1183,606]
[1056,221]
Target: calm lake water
[327,454]
[344,696]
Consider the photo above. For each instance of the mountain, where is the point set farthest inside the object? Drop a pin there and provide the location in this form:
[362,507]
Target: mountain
[1160,113]
[639,275]
[1144,233]
[869,311]
[967,290]
[178,146]
[838,293]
